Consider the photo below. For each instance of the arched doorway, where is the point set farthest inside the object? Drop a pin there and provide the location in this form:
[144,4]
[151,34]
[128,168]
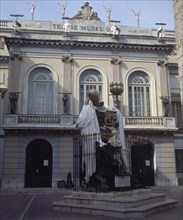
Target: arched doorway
[142,164]
[38,164]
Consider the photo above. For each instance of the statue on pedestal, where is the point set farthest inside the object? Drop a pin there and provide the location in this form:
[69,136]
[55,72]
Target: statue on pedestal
[62,8]
[32,10]
[86,13]
[165,102]
[108,10]
[137,15]
[13,97]
[65,100]
[103,141]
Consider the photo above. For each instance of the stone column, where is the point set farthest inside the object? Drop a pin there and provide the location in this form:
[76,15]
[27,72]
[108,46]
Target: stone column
[165,172]
[116,61]
[163,85]
[67,78]
[67,72]
[115,69]
[178,15]
[2,94]
[14,76]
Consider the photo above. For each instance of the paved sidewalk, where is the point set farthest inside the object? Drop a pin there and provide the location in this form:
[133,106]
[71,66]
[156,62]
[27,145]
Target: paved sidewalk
[171,214]
[36,204]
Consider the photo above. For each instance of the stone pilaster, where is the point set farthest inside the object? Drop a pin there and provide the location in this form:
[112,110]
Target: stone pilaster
[14,77]
[67,60]
[178,20]
[163,81]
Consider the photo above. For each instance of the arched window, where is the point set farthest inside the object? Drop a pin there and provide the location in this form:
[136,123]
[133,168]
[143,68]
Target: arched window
[139,94]
[40,91]
[90,79]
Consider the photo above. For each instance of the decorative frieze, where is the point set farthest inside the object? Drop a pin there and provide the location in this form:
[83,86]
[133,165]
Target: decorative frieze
[89,44]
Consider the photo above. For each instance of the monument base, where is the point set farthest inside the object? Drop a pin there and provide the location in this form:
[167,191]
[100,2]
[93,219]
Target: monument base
[131,204]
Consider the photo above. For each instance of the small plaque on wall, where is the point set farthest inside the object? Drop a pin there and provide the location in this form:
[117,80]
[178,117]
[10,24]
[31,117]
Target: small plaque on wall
[45,163]
[122,181]
[147,162]
[66,120]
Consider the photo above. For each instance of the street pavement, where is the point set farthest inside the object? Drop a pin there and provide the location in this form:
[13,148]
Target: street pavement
[36,204]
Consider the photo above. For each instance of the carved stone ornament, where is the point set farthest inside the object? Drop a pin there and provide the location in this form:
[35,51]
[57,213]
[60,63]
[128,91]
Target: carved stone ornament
[116,60]
[15,55]
[115,31]
[86,13]
[2,43]
[13,97]
[161,62]
[66,59]
[173,53]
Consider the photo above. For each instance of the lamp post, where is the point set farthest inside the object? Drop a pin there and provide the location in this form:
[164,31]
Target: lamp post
[116,88]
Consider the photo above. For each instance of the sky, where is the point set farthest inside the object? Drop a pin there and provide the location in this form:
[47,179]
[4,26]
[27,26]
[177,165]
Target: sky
[151,11]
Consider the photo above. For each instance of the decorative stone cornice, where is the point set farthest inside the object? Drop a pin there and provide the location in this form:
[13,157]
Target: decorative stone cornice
[56,43]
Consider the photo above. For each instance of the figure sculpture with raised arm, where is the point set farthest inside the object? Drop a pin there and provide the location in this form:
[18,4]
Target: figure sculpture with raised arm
[63,8]
[108,10]
[32,10]
[137,15]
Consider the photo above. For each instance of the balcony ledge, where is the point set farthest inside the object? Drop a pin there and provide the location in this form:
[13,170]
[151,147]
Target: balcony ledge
[150,123]
[67,122]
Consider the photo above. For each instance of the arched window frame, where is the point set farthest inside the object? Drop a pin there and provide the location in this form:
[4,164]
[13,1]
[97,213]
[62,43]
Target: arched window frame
[89,79]
[139,94]
[25,86]
[40,91]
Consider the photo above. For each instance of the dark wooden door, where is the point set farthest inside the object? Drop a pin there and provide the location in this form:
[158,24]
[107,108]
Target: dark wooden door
[142,164]
[38,164]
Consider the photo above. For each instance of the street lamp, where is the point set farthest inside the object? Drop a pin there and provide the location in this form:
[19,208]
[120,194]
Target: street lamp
[116,88]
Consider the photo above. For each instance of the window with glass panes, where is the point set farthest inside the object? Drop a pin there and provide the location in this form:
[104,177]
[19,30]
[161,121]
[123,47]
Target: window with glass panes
[139,94]
[40,92]
[90,79]
[179,160]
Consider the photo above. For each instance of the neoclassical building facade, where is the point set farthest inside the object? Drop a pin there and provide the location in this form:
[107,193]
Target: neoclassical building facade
[47,70]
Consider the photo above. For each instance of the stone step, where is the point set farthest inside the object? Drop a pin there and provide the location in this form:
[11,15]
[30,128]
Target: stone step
[118,202]
[133,212]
